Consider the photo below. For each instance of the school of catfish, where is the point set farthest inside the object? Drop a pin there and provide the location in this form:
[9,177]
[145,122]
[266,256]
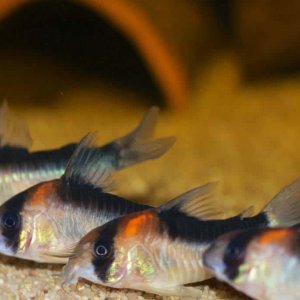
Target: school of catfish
[58,206]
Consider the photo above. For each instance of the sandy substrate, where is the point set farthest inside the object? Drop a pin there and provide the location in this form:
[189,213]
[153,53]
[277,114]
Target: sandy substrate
[245,137]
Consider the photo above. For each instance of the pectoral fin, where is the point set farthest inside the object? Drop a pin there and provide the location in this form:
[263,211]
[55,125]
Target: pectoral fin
[59,256]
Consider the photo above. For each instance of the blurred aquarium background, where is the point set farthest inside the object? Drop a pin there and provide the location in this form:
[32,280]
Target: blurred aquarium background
[225,73]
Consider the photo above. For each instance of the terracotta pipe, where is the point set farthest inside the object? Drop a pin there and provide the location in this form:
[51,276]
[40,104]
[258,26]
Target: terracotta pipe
[134,23]
[7,6]
[168,71]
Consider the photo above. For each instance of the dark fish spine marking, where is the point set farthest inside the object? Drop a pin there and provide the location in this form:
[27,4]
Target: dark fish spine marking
[178,225]
[92,198]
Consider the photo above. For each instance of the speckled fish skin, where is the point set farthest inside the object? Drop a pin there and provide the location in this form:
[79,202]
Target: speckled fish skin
[21,169]
[264,263]
[160,250]
[44,223]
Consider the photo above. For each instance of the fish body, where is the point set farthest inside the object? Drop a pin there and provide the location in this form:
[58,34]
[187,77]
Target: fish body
[48,219]
[262,263]
[160,250]
[44,222]
[21,169]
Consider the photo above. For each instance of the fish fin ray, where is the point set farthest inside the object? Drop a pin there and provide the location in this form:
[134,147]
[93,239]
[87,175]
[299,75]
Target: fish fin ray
[59,255]
[86,166]
[247,213]
[284,209]
[14,131]
[196,202]
[139,145]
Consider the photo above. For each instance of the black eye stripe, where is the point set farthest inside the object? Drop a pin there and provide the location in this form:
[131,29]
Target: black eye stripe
[105,239]
[11,220]
[234,254]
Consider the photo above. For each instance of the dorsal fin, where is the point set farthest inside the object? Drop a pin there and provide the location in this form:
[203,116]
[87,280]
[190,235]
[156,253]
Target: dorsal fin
[247,213]
[14,131]
[87,166]
[196,202]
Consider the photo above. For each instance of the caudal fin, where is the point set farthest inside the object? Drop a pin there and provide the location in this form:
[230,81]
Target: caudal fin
[284,209]
[13,130]
[139,145]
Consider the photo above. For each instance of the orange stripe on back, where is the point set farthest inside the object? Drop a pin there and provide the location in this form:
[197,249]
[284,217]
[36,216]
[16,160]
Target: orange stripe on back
[38,196]
[135,223]
[274,235]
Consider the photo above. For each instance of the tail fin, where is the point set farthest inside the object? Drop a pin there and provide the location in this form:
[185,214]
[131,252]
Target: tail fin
[284,209]
[13,131]
[139,145]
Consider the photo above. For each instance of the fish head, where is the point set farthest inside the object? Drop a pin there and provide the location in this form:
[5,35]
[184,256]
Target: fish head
[23,226]
[227,258]
[250,261]
[114,254]
[96,259]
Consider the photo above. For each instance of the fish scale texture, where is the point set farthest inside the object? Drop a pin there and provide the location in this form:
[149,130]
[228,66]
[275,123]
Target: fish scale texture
[245,137]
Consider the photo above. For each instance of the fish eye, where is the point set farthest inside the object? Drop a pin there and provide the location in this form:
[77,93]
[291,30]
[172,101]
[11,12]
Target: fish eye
[10,220]
[233,253]
[101,249]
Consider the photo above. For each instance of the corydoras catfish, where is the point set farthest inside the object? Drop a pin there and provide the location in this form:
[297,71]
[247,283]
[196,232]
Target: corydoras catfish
[44,222]
[159,250]
[262,263]
[20,169]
